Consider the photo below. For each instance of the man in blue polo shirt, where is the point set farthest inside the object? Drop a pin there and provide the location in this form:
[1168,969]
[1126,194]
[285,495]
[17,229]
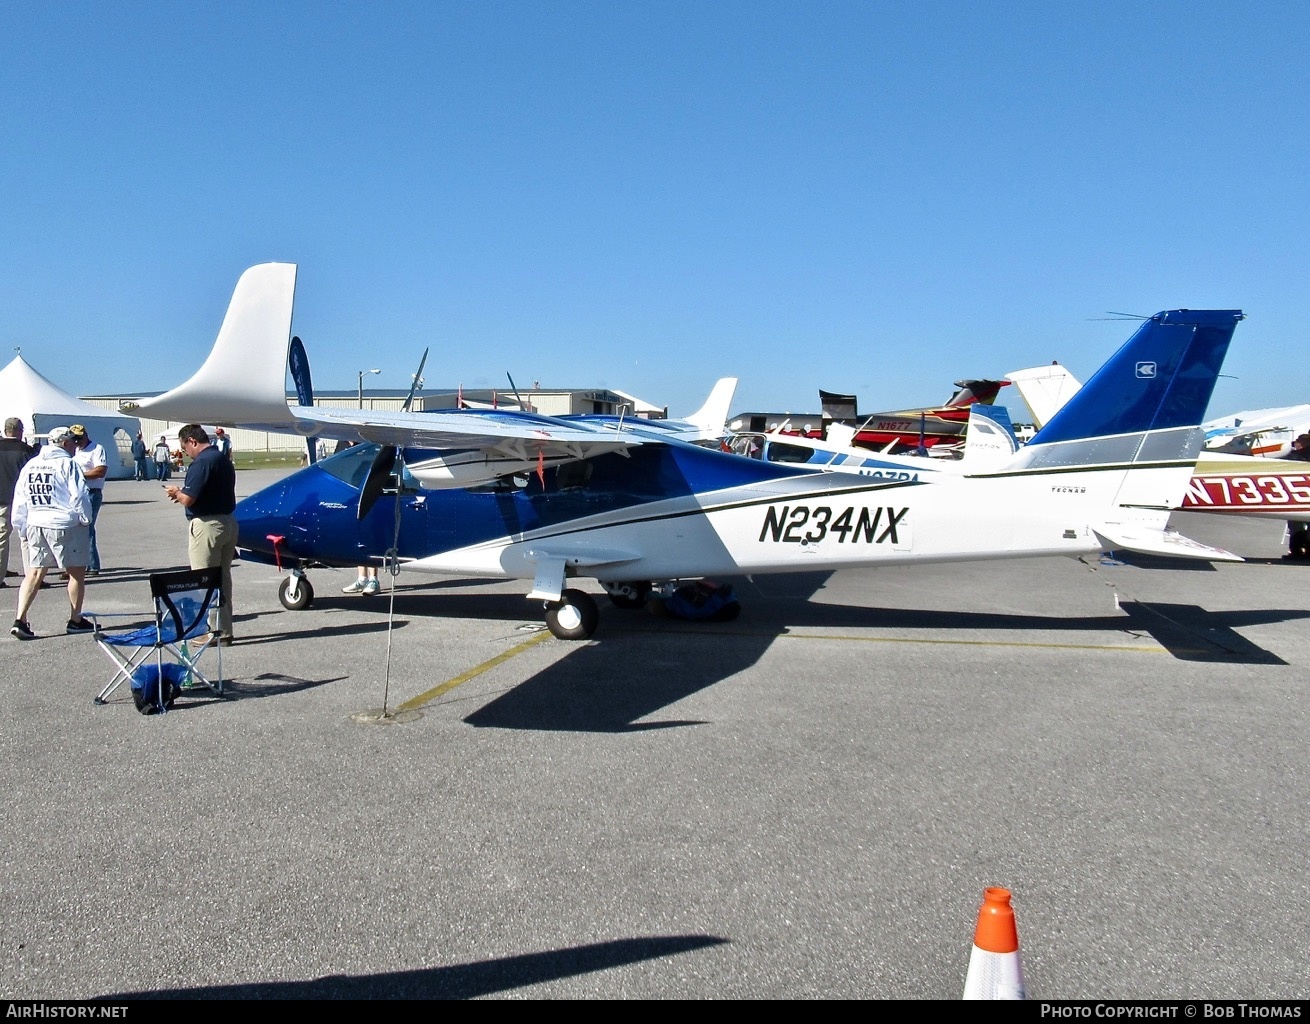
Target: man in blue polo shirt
[209,495]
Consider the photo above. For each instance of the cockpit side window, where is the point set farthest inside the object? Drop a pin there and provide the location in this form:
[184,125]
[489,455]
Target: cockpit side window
[570,475]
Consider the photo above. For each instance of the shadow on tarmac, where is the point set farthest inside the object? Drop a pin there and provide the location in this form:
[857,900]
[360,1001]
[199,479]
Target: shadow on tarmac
[463,981]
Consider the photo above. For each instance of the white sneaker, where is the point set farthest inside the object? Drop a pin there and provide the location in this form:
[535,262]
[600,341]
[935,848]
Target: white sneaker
[358,587]
[372,587]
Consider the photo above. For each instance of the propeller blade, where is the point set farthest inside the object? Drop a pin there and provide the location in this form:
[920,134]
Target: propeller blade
[379,473]
[418,383]
[517,397]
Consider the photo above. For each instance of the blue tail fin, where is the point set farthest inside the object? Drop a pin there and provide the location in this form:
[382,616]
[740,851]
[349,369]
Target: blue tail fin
[1161,379]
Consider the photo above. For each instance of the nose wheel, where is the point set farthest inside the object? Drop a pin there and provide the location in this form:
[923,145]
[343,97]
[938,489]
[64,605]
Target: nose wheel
[296,593]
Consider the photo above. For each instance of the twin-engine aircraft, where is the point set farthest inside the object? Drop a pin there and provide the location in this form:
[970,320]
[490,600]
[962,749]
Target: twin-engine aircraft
[553,500]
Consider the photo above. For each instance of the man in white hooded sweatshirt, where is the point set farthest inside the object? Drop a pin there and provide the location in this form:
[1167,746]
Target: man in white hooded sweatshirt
[52,507]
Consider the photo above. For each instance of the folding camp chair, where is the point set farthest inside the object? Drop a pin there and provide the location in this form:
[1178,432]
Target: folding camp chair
[179,635]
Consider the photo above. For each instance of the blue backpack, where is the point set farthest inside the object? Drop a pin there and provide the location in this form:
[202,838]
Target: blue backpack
[703,601]
[146,682]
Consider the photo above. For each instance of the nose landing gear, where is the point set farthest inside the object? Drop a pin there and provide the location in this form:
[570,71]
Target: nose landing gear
[296,592]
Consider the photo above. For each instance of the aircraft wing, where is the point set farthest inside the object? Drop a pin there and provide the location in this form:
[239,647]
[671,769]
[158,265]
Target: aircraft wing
[242,383]
[464,429]
[708,423]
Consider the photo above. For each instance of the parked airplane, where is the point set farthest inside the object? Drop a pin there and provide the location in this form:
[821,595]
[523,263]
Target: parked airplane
[1267,432]
[989,441]
[243,379]
[1259,487]
[557,500]
[912,429]
[908,430]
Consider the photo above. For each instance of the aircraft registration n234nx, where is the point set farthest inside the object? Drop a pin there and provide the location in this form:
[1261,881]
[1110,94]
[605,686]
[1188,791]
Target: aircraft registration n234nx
[559,500]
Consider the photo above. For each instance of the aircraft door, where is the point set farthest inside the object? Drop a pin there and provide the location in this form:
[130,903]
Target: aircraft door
[426,525]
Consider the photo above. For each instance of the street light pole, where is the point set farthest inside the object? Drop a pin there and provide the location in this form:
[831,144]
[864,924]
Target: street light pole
[361,384]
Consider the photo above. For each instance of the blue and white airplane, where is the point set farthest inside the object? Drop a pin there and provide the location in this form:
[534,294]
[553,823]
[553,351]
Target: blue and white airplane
[552,500]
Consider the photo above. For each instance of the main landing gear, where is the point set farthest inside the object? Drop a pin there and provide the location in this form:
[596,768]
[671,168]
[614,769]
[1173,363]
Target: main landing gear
[573,617]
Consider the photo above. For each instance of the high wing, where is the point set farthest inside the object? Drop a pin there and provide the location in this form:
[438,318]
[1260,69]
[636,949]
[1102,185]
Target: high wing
[1267,432]
[242,383]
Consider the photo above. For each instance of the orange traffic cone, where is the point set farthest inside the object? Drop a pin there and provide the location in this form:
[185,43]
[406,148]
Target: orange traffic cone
[994,968]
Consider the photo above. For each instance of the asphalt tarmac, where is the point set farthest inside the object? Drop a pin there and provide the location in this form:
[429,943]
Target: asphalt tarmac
[805,803]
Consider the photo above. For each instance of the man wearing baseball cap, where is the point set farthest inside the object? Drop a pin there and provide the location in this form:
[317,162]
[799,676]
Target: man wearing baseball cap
[52,506]
[90,456]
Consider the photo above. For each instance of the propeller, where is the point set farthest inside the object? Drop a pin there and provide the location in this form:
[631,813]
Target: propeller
[379,473]
[384,462]
[298,360]
[418,383]
[517,397]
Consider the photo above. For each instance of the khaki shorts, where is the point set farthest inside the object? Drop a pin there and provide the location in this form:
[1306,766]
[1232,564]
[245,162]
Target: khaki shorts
[50,548]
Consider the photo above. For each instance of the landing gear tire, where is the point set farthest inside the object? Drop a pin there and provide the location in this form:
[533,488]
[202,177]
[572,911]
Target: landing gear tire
[296,593]
[628,595]
[573,617]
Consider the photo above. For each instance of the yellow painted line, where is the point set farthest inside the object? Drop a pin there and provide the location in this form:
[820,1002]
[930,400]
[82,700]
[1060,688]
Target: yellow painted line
[977,643]
[958,643]
[427,697]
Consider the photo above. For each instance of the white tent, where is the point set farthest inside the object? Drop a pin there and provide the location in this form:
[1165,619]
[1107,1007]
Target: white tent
[41,405]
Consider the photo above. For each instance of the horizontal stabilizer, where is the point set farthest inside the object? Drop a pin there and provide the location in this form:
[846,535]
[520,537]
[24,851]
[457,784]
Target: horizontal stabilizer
[1150,540]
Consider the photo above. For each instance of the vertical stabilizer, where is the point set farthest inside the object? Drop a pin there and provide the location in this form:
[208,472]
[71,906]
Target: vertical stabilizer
[1141,412]
[1160,380]
[712,417]
[1044,389]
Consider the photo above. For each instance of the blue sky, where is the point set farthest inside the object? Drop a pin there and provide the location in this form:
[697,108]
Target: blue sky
[875,198]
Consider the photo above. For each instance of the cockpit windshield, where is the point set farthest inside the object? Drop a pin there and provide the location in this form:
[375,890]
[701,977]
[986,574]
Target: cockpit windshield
[351,466]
